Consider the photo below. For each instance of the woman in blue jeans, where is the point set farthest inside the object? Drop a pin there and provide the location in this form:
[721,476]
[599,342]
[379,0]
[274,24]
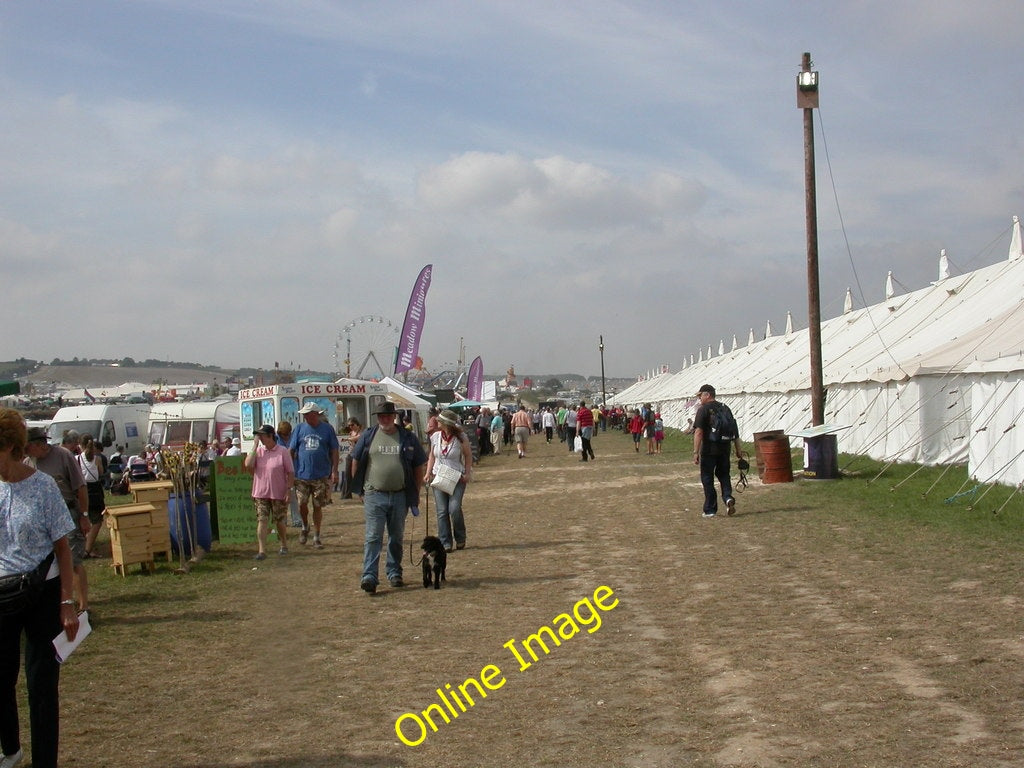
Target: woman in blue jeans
[451,448]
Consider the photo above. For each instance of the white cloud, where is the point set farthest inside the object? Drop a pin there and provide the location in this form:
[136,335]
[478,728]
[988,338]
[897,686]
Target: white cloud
[555,192]
[340,224]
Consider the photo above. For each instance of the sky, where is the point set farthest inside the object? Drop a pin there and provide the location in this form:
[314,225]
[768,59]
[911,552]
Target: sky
[235,182]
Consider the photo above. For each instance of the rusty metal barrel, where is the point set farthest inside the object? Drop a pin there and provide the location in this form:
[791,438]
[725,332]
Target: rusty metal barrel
[774,458]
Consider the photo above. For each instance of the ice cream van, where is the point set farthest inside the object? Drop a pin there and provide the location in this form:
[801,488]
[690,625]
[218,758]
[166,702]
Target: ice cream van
[339,400]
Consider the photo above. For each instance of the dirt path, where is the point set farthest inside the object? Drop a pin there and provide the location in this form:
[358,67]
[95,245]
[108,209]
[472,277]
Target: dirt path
[785,636]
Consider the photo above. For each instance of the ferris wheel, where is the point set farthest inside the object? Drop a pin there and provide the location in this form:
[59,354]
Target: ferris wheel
[366,347]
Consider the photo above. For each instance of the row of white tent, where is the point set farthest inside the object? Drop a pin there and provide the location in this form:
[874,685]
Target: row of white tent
[935,376]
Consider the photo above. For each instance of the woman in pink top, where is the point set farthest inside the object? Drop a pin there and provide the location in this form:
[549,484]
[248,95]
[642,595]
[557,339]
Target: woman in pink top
[272,474]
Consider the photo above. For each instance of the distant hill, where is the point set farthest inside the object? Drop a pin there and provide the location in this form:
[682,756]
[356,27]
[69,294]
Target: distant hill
[109,376]
[108,373]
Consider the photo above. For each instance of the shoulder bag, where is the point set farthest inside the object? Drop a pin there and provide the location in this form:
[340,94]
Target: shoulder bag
[20,590]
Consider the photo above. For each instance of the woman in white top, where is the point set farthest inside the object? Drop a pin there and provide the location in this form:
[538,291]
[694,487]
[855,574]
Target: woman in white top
[450,447]
[91,464]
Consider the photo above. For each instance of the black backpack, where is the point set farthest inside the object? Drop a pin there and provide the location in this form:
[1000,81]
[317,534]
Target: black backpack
[723,425]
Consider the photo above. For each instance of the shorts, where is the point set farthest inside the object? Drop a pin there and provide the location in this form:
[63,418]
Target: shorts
[271,508]
[522,434]
[76,540]
[636,437]
[318,490]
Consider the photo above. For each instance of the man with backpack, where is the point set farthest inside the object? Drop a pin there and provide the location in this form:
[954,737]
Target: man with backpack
[715,435]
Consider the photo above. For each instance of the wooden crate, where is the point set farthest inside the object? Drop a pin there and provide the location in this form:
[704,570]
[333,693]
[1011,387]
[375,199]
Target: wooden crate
[151,490]
[156,492]
[132,534]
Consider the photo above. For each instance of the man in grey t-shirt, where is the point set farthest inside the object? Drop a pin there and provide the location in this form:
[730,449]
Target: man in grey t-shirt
[387,472]
[60,464]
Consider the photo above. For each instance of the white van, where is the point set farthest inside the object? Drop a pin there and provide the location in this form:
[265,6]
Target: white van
[171,425]
[123,425]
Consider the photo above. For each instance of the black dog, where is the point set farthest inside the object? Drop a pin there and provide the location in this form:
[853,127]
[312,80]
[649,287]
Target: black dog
[434,561]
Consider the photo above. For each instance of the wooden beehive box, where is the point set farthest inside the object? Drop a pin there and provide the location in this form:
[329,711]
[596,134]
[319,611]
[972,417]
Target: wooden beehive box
[135,534]
[151,490]
[156,492]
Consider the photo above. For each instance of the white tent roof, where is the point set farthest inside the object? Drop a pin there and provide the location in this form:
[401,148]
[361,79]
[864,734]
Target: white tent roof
[947,326]
[404,395]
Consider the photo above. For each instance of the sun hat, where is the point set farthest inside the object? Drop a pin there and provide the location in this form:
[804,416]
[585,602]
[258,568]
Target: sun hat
[448,417]
[36,433]
[266,429]
[387,407]
[310,408]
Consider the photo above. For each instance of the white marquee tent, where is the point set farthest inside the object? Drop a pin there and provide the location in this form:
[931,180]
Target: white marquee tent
[934,376]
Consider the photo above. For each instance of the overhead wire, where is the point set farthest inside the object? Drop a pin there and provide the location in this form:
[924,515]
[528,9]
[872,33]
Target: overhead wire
[846,240]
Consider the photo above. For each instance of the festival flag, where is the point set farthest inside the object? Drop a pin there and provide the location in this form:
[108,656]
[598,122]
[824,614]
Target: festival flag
[412,329]
[475,385]
[89,397]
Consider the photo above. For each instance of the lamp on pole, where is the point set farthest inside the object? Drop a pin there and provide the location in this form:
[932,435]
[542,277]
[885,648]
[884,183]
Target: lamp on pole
[807,100]
[604,395]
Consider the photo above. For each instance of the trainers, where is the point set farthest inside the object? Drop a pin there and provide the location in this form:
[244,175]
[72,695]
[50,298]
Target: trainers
[9,761]
[730,506]
[257,556]
[708,514]
[317,543]
[283,551]
[304,536]
[461,545]
[396,583]
[368,586]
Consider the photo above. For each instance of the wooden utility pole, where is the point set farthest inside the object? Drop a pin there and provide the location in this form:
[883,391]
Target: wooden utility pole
[807,99]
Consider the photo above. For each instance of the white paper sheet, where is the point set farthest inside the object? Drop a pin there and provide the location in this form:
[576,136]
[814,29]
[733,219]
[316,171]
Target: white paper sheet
[65,647]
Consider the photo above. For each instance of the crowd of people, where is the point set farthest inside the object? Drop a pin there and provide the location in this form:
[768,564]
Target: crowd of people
[52,498]
[386,467]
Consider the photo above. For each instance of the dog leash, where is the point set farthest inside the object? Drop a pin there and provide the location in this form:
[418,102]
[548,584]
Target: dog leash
[426,528]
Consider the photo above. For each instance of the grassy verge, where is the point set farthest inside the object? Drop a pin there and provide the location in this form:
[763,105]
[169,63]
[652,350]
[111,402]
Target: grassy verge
[941,498]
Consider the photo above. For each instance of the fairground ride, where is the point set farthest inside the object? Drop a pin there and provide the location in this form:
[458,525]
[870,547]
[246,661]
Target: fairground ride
[366,348]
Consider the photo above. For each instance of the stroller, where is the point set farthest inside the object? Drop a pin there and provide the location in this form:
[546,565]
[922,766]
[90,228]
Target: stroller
[139,469]
[117,482]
